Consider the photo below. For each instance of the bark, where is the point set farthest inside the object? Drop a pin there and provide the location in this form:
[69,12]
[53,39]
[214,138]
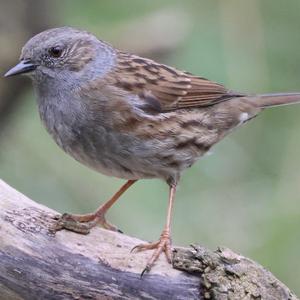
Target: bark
[36,264]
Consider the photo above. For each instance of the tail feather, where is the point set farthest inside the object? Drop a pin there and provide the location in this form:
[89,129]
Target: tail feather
[269,100]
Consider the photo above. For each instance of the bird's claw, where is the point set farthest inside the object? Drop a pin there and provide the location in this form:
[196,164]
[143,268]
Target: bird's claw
[146,270]
[81,223]
[162,245]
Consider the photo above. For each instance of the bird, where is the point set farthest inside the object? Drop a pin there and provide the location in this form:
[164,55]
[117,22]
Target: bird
[129,117]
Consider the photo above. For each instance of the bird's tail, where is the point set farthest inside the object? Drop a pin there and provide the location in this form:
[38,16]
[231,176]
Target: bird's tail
[269,100]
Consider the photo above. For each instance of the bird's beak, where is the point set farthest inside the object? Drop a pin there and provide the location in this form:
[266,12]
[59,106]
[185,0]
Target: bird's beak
[24,66]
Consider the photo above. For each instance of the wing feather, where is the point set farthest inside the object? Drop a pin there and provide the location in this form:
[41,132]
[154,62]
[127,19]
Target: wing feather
[173,89]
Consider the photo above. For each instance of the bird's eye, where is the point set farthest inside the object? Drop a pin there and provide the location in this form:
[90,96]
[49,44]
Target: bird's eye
[55,51]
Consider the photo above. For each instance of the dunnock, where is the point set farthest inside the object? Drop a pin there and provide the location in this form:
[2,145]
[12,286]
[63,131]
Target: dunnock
[128,116]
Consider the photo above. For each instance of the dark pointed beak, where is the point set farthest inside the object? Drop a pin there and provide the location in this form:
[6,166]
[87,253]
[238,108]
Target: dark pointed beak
[24,66]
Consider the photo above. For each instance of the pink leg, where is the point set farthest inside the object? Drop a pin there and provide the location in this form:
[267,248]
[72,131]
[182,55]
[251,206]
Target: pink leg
[83,223]
[164,242]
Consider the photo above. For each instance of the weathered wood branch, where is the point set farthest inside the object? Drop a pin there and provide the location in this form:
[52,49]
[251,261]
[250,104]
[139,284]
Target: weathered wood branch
[35,264]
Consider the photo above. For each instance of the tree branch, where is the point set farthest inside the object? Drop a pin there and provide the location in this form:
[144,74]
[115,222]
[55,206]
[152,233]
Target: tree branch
[35,264]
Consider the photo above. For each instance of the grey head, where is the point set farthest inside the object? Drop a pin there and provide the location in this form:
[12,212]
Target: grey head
[64,55]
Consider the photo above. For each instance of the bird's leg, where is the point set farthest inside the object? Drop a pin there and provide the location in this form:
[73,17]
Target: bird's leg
[83,223]
[164,242]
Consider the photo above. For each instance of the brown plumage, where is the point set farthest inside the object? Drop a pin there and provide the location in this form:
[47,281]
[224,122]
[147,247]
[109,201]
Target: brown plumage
[128,116]
[165,87]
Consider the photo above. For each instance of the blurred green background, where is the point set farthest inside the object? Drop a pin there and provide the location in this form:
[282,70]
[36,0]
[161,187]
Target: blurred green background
[245,196]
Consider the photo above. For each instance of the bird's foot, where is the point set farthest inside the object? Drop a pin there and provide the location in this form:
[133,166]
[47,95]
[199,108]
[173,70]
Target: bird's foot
[82,223]
[162,245]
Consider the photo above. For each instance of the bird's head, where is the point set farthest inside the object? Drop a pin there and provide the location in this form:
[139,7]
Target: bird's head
[61,53]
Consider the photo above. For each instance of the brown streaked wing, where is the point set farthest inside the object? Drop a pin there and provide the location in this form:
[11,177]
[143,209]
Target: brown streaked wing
[170,88]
